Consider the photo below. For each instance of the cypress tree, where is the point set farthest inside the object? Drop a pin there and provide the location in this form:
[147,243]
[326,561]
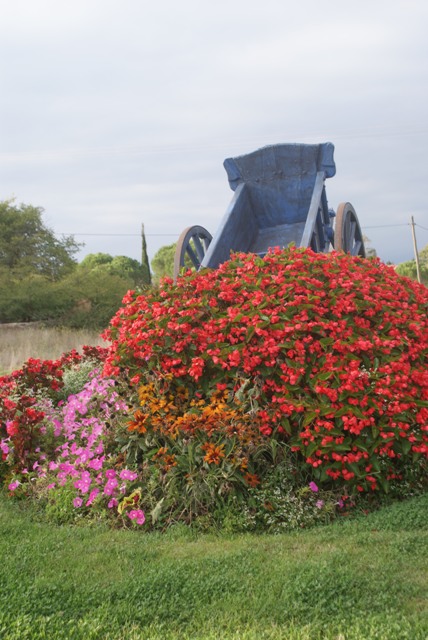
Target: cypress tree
[145,267]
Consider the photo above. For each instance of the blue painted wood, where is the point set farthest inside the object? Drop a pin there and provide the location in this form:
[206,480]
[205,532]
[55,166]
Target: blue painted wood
[237,230]
[279,198]
[313,211]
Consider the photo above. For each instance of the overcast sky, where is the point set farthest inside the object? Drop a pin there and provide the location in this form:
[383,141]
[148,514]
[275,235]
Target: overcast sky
[115,113]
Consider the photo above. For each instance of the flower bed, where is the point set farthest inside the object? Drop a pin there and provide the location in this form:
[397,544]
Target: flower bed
[269,393]
[325,354]
[60,446]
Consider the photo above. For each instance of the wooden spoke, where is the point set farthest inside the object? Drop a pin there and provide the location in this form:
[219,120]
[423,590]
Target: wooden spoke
[191,248]
[347,232]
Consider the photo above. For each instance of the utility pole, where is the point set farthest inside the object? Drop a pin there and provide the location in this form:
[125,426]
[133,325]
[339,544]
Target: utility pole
[415,248]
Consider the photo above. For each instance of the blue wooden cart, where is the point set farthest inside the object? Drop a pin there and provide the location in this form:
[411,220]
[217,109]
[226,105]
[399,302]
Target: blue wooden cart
[279,198]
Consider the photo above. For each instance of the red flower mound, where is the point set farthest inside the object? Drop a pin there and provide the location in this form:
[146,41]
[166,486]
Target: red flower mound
[324,351]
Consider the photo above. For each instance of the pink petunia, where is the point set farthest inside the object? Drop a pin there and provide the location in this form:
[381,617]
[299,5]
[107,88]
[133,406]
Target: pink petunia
[313,487]
[137,515]
[110,487]
[96,463]
[83,485]
[77,502]
[92,496]
[126,474]
[4,447]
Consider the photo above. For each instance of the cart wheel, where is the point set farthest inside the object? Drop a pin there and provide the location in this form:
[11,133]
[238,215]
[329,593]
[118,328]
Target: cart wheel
[191,248]
[347,232]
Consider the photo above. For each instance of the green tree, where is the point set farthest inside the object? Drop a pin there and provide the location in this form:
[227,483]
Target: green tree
[28,246]
[23,300]
[91,297]
[95,260]
[121,266]
[147,276]
[163,262]
[423,258]
[408,269]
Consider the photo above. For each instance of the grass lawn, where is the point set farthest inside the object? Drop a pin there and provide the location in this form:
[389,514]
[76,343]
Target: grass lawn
[365,578]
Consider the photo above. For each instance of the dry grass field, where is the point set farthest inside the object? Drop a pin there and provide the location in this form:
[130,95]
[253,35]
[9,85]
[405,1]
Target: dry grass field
[18,342]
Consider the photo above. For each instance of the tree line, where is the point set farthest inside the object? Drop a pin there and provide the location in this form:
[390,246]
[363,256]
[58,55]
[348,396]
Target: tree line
[409,270]
[41,280]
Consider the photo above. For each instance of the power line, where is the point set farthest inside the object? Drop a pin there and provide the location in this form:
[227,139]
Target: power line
[381,226]
[137,235]
[196,145]
[170,235]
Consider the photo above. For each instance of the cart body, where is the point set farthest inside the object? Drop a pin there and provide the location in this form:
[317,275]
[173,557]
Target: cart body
[279,198]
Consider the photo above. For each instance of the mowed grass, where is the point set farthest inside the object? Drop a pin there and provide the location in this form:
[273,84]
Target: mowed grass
[18,342]
[357,579]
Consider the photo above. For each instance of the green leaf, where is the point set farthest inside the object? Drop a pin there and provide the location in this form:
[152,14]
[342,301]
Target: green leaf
[326,342]
[405,446]
[313,446]
[155,513]
[355,468]
[383,483]
[250,332]
[326,375]
[309,417]
[285,423]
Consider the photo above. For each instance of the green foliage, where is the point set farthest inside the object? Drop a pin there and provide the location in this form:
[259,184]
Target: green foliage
[278,505]
[40,279]
[82,299]
[182,486]
[95,260]
[28,246]
[59,507]
[163,263]
[92,297]
[30,299]
[408,269]
[119,266]
[423,257]
[75,377]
